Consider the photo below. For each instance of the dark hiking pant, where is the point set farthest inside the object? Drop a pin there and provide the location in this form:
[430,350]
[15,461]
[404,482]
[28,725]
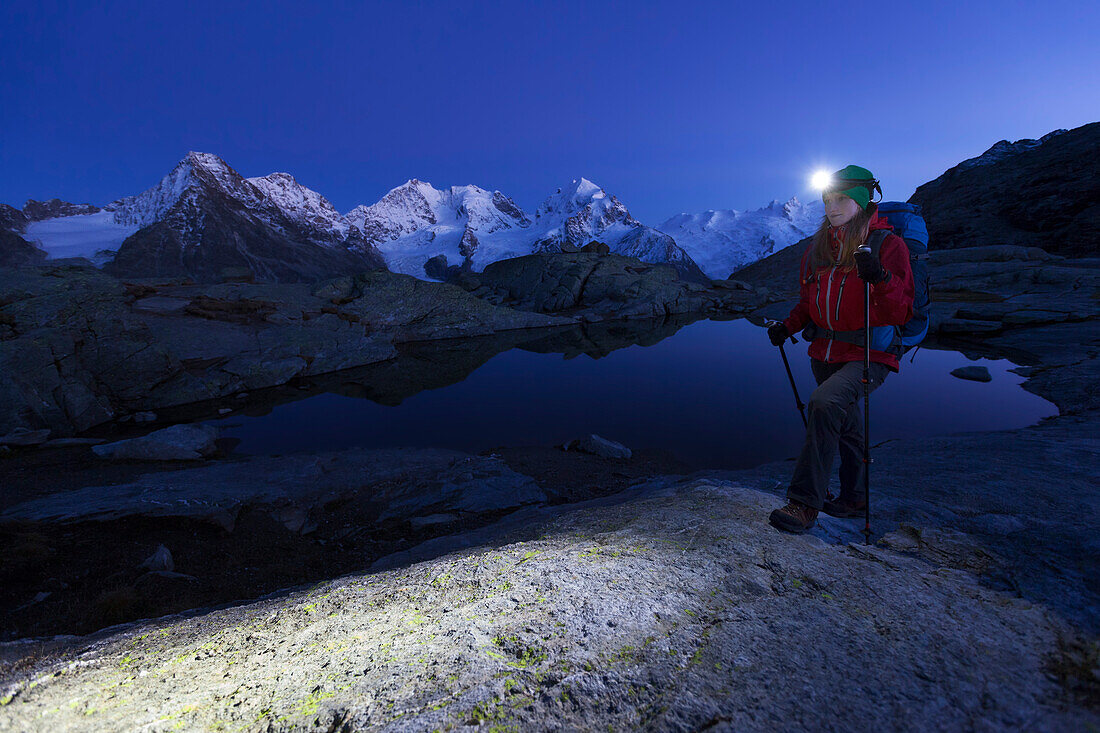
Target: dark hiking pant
[834,420]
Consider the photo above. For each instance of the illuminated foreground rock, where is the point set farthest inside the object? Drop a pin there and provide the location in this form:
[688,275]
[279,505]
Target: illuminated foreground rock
[672,606]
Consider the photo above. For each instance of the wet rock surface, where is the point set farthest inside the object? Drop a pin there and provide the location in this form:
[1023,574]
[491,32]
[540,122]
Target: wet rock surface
[399,483]
[177,443]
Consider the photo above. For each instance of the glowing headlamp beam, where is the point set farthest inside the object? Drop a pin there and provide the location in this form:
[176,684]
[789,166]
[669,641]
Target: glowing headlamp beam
[821,180]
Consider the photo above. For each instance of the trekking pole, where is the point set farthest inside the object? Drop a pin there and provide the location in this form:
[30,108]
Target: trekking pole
[797,400]
[866,406]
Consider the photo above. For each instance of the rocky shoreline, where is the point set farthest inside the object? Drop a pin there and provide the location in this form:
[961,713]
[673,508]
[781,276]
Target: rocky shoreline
[665,603]
[83,348]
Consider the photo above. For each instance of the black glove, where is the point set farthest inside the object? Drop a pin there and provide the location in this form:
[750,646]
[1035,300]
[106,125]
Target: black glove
[869,267]
[778,333]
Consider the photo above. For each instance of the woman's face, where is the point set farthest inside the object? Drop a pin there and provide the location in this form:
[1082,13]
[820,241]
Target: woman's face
[840,209]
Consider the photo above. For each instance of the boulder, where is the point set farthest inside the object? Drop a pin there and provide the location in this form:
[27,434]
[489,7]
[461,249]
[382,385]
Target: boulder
[598,446]
[972,373]
[436,267]
[22,436]
[161,559]
[177,443]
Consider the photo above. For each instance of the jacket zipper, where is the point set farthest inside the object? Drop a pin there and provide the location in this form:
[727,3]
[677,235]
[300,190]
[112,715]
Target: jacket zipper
[819,292]
[839,296]
[828,323]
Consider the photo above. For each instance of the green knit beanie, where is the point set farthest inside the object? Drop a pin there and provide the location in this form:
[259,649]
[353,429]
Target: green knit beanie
[854,182]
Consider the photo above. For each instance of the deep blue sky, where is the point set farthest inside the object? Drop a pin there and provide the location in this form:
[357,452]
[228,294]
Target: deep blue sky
[672,106]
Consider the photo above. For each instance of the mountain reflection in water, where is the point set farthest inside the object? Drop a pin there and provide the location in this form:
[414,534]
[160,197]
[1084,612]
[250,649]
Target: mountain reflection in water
[713,392]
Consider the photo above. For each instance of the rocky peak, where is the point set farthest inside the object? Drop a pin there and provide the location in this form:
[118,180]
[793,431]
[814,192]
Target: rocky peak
[585,210]
[39,210]
[1004,149]
[12,219]
[403,210]
[571,198]
[508,207]
[1031,193]
[486,212]
[309,209]
[469,244]
[195,174]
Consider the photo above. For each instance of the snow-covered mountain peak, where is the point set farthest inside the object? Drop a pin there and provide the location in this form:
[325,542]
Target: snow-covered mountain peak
[152,204]
[417,206]
[570,199]
[403,210]
[308,208]
[721,241]
[486,212]
[278,178]
[206,161]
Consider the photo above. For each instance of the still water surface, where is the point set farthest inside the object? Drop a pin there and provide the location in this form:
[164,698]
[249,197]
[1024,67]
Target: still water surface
[715,393]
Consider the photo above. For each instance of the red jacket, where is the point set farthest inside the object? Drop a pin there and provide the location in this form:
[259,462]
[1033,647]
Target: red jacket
[833,299]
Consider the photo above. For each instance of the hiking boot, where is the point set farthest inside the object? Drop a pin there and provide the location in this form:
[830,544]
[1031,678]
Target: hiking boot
[796,517]
[844,507]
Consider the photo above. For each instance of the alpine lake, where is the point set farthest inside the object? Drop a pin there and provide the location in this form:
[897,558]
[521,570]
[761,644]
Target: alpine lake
[713,393]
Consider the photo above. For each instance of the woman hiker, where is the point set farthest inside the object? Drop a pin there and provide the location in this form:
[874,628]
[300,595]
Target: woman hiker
[832,305]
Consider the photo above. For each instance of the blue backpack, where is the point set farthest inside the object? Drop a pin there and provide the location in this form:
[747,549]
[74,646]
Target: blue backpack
[907,223]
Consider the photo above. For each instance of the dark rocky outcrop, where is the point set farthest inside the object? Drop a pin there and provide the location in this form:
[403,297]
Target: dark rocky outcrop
[16,251]
[436,267]
[1029,193]
[508,207]
[39,210]
[778,271]
[12,219]
[602,286]
[83,348]
[79,348]
[469,244]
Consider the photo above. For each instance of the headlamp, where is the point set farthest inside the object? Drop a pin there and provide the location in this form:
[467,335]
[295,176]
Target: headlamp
[821,180]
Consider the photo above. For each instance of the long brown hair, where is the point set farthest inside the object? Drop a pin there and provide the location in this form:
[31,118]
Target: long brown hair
[855,234]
